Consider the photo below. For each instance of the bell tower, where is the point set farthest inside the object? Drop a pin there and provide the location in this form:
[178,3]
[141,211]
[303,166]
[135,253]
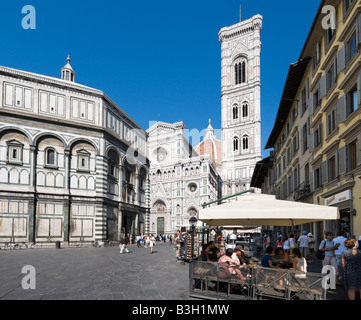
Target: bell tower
[241,102]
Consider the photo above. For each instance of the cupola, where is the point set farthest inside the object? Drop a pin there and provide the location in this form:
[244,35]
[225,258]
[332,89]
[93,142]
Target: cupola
[67,72]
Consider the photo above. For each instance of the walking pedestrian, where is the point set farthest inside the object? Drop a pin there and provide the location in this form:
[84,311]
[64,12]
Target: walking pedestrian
[279,243]
[351,262]
[341,238]
[303,244]
[151,243]
[286,245]
[328,246]
[311,246]
[292,242]
[123,244]
[138,241]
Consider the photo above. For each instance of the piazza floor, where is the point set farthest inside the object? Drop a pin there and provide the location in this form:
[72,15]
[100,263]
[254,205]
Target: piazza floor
[103,274]
[95,274]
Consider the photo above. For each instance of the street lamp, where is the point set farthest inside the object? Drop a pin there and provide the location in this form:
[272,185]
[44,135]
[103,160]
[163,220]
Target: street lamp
[192,223]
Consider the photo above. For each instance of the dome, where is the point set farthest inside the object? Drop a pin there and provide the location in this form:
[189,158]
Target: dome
[210,145]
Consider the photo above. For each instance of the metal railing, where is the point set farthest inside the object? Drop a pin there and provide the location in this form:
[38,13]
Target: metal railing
[207,281]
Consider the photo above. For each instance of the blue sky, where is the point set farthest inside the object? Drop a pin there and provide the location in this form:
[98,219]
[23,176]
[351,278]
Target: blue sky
[158,60]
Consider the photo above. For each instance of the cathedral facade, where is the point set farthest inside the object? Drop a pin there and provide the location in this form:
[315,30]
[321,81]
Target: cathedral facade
[180,179]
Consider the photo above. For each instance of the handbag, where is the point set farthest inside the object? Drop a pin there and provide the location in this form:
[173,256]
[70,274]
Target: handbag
[321,254]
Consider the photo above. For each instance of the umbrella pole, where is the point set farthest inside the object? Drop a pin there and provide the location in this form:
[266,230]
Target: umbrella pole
[233,195]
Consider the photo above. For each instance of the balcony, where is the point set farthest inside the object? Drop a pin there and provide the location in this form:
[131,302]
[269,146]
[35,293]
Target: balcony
[304,190]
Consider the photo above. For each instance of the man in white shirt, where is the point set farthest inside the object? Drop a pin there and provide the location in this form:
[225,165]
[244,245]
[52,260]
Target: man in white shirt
[341,238]
[303,244]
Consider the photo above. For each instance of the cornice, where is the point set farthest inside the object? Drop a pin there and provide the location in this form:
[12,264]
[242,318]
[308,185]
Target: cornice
[49,80]
[243,27]
[63,84]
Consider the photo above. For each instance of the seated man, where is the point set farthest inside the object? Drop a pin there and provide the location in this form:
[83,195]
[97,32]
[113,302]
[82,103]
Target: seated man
[205,253]
[213,251]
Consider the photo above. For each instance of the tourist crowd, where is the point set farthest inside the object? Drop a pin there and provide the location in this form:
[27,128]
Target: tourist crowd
[342,253]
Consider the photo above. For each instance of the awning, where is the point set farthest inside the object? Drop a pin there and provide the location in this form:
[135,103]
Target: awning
[265,210]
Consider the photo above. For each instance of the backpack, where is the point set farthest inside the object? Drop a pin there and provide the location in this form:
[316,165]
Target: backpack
[321,254]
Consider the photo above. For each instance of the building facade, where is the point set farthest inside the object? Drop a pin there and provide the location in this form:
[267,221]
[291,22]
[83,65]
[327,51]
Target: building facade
[317,134]
[180,179]
[241,103]
[67,167]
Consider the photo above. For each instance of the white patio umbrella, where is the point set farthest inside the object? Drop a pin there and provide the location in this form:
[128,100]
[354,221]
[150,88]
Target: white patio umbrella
[265,210]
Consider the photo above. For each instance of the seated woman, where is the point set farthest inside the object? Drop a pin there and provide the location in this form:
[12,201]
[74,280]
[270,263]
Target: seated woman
[266,261]
[226,266]
[299,263]
[281,259]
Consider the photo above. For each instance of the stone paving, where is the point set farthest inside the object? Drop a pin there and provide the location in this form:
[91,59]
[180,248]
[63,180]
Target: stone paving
[95,274]
[103,274]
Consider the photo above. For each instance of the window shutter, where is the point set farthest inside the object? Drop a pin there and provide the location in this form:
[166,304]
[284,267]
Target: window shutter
[320,132]
[341,109]
[309,140]
[358,31]
[326,39]
[358,145]
[324,172]
[359,89]
[314,180]
[298,176]
[347,158]
[314,140]
[322,91]
[341,59]
[327,124]
[327,164]
[303,141]
[312,104]
[341,160]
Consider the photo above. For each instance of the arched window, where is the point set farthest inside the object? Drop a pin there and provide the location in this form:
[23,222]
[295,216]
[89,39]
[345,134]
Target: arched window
[192,212]
[112,168]
[240,72]
[245,110]
[50,157]
[235,113]
[245,142]
[235,144]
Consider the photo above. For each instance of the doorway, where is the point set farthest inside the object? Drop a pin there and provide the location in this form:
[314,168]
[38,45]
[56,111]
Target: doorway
[160,225]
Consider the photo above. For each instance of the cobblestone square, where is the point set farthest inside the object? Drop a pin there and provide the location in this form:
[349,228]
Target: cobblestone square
[103,274]
[95,274]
